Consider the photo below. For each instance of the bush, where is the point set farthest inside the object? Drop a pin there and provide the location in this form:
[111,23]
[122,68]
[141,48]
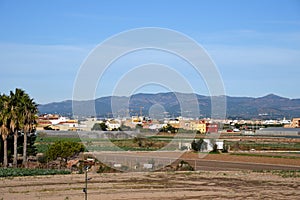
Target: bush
[197,146]
[184,166]
[215,149]
[42,159]
[99,127]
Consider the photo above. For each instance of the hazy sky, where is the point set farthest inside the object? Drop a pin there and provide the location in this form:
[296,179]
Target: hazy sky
[254,44]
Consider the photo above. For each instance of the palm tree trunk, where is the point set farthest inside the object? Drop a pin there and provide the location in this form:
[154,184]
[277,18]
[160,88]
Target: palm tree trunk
[5,163]
[15,161]
[25,149]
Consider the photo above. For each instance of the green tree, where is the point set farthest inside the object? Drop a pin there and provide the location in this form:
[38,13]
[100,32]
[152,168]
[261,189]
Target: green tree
[16,120]
[99,127]
[17,115]
[64,150]
[197,146]
[29,120]
[31,148]
[4,125]
[22,119]
[125,128]
[215,149]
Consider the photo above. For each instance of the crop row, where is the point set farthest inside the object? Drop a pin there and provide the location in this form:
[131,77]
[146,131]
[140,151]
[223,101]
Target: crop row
[11,172]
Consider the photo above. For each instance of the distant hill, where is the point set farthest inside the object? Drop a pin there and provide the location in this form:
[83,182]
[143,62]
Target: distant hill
[270,106]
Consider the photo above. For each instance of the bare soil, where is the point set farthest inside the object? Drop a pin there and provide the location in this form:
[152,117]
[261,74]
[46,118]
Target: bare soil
[221,176]
[154,185]
[247,159]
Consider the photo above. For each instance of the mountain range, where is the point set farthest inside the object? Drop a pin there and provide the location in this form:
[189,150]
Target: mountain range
[175,104]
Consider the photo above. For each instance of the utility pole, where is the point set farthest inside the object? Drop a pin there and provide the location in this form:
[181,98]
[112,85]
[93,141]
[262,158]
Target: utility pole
[86,168]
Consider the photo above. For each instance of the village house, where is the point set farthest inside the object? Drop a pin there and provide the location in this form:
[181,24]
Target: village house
[112,125]
[295,123]
[198,125]
[174,123]
[56,122]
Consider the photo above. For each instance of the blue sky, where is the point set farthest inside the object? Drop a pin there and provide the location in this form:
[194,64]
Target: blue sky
[255,44]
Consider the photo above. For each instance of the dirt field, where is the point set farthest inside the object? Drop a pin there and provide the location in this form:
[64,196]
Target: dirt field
[154,185]
[220,176]
[247,159]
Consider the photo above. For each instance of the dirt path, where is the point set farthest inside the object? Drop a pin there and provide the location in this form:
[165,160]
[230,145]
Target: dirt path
[150,185]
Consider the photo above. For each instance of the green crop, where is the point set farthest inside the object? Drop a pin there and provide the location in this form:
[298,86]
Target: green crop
[11,172]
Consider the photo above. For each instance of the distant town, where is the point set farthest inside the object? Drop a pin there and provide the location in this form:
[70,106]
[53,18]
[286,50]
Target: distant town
[200,126]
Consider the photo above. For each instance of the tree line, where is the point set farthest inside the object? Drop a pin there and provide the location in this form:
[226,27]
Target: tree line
[18,113]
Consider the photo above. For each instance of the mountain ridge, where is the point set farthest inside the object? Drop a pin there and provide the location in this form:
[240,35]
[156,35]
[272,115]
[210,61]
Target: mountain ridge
[237,107]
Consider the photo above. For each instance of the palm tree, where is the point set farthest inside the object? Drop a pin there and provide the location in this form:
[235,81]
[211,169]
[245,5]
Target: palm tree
[4,124]
[29,117]
[23,112]
[17,113]
[16,118]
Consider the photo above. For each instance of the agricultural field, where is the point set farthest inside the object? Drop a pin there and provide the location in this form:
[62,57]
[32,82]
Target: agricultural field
[43,142]
[235,143]
[157,185]
[14,172]
[237,174]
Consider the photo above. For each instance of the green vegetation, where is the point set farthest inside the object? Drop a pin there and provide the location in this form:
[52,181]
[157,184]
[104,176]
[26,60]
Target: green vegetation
[64,150]
[184,166]
[12,172]
[155,142]
[282,173]
[139,143]
[248,145]
[164,137]
[288,174]
[53,139]
[200,145]
[125,128]
[215,149]
[99,127]
[17,115]
[43,142]
[264,155]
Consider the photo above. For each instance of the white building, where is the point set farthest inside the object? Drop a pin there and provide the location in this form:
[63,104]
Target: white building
[112,124]
[137,120]
[59,120]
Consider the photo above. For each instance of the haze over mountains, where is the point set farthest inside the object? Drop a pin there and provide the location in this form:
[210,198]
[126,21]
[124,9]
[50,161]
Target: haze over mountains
[169,105]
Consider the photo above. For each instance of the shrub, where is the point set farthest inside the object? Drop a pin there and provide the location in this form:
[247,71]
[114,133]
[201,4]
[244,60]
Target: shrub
[184,166]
